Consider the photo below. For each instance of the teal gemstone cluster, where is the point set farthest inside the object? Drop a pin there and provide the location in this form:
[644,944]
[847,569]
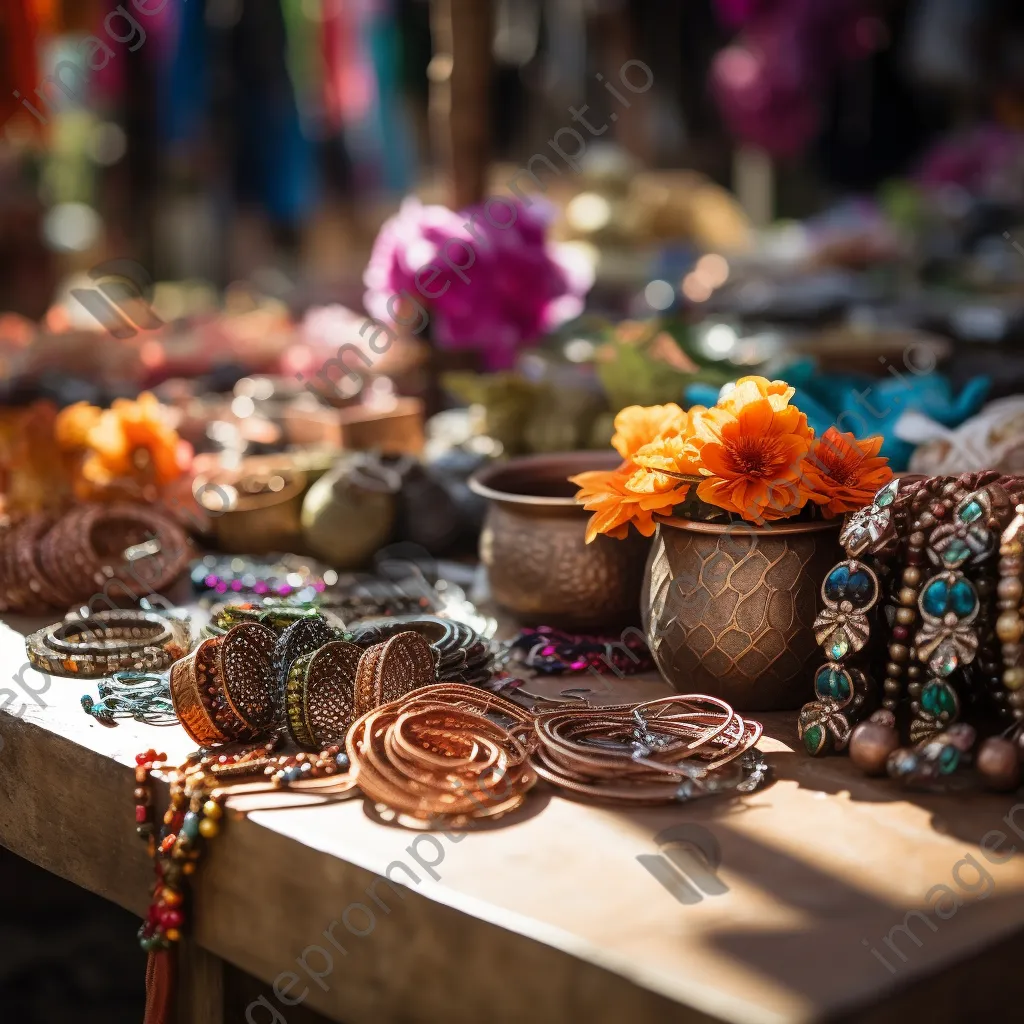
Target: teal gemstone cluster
[945,594]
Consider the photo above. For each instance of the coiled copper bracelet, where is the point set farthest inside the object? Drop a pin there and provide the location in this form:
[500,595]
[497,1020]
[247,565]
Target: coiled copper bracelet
[673,748]
[438,756]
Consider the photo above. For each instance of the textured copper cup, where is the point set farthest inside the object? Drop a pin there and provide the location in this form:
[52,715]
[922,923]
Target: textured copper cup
[728,609]
[534,546]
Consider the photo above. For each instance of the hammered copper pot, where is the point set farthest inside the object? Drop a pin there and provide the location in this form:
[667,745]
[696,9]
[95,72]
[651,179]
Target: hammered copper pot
[728,610]
[534,546]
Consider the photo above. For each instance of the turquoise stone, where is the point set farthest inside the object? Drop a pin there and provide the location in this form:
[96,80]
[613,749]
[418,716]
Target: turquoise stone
[886,496]
[813,736]
[971,512]
[949,758]
[956,551]
[834,683]
[938,699]
[939,597]
[935,598]
[963,599]
[840,646]
[835,583]
[853,585]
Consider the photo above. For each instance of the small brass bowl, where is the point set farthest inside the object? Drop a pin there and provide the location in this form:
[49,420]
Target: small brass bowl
[533,543]
[255,509]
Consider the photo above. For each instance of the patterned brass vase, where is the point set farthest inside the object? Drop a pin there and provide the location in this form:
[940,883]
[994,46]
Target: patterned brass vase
[533,544]
[728,610]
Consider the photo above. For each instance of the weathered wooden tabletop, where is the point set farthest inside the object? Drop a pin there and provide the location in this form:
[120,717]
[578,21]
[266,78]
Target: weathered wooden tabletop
[565,911]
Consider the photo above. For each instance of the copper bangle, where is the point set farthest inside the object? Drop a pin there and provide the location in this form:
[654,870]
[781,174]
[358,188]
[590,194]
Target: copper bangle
[108,642]
[662,750]
[85,549]
[435,758]
[224,691]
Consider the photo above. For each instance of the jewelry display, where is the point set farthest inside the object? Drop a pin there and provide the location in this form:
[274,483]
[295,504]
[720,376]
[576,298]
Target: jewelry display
[275,616]
[143,696]
[107,642]
[849,592]
[675,748]
[224,691]
[319,695]
[121,549]
[461,655]
[289,576]
[438,757]
[951,551]
[553,652]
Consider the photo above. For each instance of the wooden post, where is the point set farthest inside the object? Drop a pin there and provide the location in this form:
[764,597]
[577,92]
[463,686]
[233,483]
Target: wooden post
[460,77]
[199,987]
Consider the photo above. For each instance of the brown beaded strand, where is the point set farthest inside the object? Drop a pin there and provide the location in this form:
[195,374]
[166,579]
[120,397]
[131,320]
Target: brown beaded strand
[1010,624]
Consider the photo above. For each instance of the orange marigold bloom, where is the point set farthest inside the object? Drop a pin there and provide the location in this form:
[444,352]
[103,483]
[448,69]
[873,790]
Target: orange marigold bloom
[615,507]
[638,425]
[751,448]
[676,454]
[846,472]
[128,445]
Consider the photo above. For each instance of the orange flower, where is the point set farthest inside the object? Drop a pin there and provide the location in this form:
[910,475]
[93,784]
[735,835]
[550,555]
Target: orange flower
[128,446]
[749,389]
[638,425]
[675,454]
[846,472]
[751,447]
[615,506]
[147,444]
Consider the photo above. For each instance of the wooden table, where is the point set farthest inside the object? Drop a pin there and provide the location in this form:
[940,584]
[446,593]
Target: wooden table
[550,916]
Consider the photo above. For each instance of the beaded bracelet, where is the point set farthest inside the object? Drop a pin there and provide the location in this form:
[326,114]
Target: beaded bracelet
[461,655]
[224,691]
[320,694]
[1010,624]
[849,592]
[107,642]
[86,549]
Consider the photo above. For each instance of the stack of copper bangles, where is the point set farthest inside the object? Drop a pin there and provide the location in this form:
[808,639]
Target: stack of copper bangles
[461,655]
[438,756]
[223,691]
[107,642]
[669,749]
[47,563]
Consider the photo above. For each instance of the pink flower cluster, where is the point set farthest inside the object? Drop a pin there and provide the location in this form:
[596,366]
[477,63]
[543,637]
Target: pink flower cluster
[769,80]
[484,278]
